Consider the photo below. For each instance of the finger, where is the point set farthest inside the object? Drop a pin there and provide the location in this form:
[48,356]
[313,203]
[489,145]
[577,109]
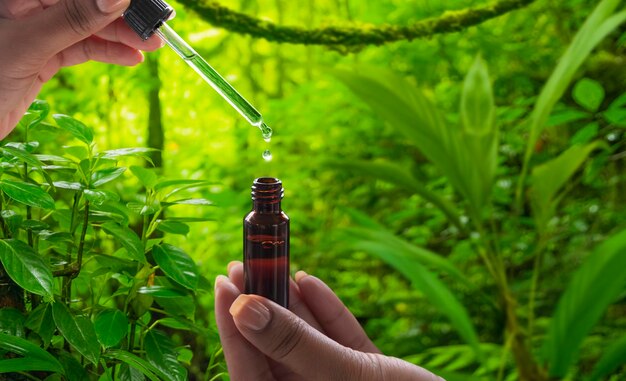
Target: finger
[119,31]
[286,338]
[67,22]
[334,317]
[244,361]
[95,49]
[296,305]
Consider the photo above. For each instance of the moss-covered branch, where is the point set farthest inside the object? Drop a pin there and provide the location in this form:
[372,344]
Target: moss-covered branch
[451,21]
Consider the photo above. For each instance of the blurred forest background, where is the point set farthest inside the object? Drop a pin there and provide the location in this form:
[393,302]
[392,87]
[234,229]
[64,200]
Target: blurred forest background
[464,282]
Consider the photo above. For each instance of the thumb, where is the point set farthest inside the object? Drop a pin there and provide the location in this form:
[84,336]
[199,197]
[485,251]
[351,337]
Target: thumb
[284,337]
[70,21]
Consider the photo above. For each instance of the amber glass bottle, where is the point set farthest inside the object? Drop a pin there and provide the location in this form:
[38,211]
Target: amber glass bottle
[266,243]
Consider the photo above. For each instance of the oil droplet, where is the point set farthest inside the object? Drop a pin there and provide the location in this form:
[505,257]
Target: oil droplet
[266,131]
[267,155]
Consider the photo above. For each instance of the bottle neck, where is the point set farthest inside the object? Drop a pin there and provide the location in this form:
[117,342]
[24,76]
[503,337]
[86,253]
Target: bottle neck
[266,207]
[266,195]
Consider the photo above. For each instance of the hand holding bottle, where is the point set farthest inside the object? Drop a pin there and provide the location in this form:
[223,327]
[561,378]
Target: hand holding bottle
[316,339]
[38,37]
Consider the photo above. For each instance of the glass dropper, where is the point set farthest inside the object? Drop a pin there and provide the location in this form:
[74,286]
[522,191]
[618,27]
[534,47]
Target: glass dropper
[147,17]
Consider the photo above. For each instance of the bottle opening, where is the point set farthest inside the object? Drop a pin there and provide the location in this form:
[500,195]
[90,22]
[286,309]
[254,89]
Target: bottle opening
[269,189]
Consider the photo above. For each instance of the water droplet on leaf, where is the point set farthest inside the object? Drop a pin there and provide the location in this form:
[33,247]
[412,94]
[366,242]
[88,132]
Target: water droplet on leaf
[267,155]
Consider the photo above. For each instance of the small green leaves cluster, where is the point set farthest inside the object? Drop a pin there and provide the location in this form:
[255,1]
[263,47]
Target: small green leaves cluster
[99,292]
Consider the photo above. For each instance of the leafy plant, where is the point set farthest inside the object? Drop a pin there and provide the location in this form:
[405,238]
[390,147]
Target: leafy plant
[88,289]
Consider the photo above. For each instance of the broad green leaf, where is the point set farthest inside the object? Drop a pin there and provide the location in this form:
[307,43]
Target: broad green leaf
[478,112]
[161,353]
[566,116]
[103,176]
[616,116]
[135,151]
[147,177]
[52,158]
[35,358]
[127,238]
[176,264]
[548,178]
[28,194]
[100,196]
[181,306]
[26,267]
[78,331]
[589,94]
[422,279]
[189,201]
[595,285]
[74,127]
[612,358]
[111,326]
[408,251]
[162,292]
[173,227]
[147,369]
[399,176]
[597,26]
[68,185]
[40,106]
[40,321]
[22,156]
[11,322]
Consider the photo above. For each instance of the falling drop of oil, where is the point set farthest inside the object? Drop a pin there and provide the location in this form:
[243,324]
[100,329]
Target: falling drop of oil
[266,131]
[267,155]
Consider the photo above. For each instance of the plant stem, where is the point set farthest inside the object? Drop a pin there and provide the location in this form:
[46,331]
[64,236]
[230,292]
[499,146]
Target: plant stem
[131,337]
[83,233]
[538,254]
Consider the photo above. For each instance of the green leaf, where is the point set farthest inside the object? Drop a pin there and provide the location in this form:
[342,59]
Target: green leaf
[422,279]
[399,176]
[133,152]
[161,353]
[26,267]
[74,127]
[478,112]
[173,227]
[68,185]
[147,369]
[585,134]
[616,116]
[40,321]
[22,156]
[564,117]
[28,194]
[612,358]
[99,197]
[161,291]
[189,201]
[103,176]
[548,178]
[589,94]
[176,264]
[181,306]
[111,326]
[35,358]
[78,331]
[595,285]
[128,239]
[147,177]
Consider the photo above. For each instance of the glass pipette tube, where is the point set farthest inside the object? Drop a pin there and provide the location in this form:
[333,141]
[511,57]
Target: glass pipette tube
[213,78]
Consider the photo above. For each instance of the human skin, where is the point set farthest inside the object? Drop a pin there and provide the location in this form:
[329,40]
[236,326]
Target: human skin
[39,37]
[316,339]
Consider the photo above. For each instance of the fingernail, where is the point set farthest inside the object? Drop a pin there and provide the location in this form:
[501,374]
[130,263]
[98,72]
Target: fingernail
[300,274]
[250,313]
[110,6]
[219,280]
[232,264]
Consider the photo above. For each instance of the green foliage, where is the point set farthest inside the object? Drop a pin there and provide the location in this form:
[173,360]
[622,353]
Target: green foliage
[56,243]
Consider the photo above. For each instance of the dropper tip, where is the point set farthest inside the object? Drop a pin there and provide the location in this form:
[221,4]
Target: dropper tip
[266,131]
